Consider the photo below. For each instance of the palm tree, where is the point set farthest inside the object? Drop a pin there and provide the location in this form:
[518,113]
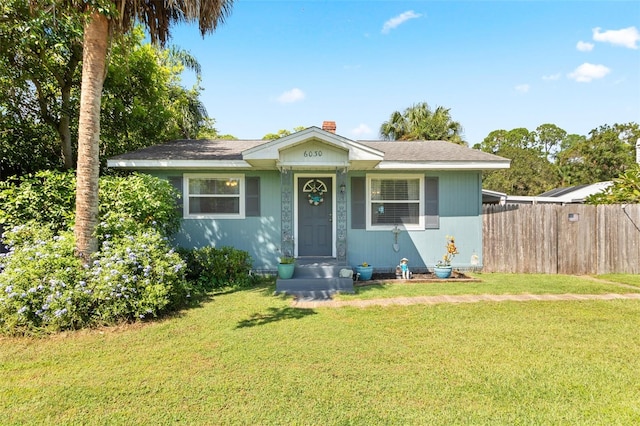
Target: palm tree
[106,18]
[418,122]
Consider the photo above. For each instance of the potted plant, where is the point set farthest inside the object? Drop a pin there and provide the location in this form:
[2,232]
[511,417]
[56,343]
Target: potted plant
[364,271]
[286,267]
[443,267]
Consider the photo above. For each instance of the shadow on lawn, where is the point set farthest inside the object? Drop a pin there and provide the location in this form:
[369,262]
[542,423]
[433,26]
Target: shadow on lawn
[275,314]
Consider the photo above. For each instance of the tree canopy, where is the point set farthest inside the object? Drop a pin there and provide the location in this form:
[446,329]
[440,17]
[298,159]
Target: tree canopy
[548,157]
[143,101]
[419,122]
[282,133]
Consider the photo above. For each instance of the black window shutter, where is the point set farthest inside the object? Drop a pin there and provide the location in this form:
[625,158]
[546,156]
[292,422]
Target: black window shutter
[431,203]
[358,203]
[176,182]
[252,196]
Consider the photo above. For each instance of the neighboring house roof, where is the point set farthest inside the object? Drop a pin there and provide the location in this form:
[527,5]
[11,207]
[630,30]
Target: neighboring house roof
[261,154]
[569,195]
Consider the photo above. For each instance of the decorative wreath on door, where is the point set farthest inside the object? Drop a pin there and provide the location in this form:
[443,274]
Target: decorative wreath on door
[315,190]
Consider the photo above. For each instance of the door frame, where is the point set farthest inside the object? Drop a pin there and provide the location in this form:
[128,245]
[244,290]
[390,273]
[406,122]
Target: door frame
[306,175]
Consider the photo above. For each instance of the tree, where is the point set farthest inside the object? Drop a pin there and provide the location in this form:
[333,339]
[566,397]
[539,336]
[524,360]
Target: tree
[419,122]
[281,133]
[548,139]
[530,173]
[143,101]
[103,18]
[605,154]
[40,54]
[625,189]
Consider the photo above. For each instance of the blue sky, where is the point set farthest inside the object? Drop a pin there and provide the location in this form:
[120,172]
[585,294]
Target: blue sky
[496,64]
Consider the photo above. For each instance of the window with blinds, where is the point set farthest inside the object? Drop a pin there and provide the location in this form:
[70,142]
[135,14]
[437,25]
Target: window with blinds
[395,201]
[214,196]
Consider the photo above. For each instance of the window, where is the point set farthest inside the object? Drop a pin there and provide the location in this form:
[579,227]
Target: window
[396,200]
[214,196]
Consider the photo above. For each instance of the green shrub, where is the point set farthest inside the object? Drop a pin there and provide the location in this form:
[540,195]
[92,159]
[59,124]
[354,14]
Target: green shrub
[147,200]
[135,275]
[45,288]
[47,198]
[211,268]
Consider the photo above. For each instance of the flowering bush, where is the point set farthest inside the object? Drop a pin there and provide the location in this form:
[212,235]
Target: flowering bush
[45,288]
[42,286]
[136,276]
[452,250]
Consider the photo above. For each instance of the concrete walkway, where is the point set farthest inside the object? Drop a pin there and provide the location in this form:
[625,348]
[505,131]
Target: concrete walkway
[432,300]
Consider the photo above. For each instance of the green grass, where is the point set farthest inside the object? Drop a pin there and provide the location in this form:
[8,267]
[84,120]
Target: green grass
[500,284]
[248,357]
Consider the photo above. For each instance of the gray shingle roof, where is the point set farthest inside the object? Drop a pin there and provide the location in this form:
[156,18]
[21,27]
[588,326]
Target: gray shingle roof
[406,151]
[192,149]
[420,151]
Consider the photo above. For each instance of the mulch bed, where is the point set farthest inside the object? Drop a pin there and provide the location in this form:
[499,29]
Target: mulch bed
[390,278]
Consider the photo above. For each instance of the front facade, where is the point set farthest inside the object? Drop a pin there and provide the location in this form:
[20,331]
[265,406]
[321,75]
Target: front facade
[315,194]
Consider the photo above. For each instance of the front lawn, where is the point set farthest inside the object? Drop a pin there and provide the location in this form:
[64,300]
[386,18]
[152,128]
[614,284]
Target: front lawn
[248,357]
[498,284]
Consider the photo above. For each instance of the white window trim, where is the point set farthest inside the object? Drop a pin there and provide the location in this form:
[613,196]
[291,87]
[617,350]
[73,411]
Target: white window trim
[241,195]
[409,227]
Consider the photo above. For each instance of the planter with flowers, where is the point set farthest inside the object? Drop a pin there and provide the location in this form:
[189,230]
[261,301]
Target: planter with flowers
[364,271]
[443,268]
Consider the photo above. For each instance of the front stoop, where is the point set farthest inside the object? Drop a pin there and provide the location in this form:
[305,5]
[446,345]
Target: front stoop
[314,281]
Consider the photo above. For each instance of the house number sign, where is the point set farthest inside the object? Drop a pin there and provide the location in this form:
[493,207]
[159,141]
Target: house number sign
[311,154]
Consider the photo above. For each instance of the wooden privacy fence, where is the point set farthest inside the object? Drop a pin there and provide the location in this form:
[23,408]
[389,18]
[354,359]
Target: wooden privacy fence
[555,239]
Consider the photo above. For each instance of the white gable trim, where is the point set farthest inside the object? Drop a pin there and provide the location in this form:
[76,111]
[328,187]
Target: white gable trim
[271,150]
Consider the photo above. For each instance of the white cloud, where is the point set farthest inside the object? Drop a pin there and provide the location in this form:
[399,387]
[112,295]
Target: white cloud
[290,96]
[522,88]
[361,130]
[551,77]
[584,46]
[587,72]
[399,20]
[627,37]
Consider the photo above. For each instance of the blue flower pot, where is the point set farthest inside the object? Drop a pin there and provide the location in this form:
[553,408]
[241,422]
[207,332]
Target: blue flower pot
[442,271]
[365,272]
[286,270]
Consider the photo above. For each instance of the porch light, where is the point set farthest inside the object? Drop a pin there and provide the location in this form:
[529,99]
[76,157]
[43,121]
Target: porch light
[343,188]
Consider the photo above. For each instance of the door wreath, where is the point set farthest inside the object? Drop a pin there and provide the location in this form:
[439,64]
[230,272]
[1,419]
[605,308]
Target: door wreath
[315,190]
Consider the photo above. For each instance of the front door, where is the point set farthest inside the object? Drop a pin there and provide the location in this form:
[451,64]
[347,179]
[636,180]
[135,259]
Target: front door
[315,221]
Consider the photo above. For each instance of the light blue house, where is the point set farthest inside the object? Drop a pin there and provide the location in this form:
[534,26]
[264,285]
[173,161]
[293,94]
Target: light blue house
[315,194]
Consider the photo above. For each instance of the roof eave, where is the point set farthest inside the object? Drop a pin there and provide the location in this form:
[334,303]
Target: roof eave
[178,164]
[443,165]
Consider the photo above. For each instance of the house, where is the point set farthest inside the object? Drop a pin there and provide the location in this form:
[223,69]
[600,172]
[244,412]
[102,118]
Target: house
[569,195]
[317,195]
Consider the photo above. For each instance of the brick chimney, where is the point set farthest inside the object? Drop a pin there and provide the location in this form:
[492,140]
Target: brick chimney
[329,126]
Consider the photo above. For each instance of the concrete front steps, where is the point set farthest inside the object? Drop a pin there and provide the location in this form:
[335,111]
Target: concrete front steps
[315,279]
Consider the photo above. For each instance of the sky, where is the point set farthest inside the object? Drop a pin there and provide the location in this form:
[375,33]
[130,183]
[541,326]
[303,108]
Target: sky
[495,64]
